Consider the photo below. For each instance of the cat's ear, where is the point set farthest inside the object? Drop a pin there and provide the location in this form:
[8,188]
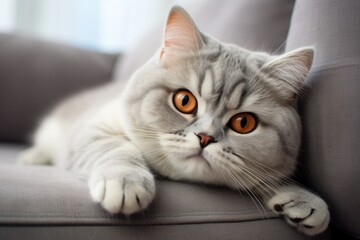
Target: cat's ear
[181,36]
[287,73]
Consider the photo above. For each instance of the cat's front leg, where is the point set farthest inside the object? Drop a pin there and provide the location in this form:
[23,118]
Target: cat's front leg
[301,209]
[118,176]
[122,189]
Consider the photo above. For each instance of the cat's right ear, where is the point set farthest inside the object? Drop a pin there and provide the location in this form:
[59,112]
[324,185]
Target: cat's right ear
[181,36]
[287,73]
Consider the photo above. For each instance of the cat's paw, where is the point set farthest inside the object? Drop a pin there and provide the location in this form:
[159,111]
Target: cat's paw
[301,209]
[124,191]
[33,156]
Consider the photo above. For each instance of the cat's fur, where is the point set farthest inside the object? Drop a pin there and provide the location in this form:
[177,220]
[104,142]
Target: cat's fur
[113,137]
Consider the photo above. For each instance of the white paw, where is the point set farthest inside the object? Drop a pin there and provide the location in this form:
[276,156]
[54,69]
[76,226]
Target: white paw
[33,156]
[301,209]
[122,190]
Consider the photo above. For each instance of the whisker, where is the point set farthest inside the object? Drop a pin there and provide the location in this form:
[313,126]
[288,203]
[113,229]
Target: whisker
[264,167]
[238,179]
[267,179]
[254,174]
[259,183]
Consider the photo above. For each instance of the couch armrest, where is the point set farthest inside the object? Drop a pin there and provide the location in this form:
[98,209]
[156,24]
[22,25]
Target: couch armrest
[34,75]
[330,108]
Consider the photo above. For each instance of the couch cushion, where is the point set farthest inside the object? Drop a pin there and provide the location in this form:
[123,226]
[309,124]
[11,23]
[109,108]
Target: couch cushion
[47,196]
[35,75]
[330,109]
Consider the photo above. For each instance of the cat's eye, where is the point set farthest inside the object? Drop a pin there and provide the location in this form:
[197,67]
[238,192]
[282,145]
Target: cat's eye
[185,101]
[243,123]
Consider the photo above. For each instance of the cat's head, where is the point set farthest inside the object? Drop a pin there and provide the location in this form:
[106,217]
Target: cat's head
[202,110]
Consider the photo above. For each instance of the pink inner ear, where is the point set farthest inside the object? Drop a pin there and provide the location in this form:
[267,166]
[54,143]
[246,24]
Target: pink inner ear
[180,34]
[162,53]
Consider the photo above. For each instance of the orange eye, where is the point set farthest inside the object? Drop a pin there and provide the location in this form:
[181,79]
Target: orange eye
[243,123]
[185,101]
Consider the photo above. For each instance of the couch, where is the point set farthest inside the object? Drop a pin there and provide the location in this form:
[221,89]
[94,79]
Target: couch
[43,202]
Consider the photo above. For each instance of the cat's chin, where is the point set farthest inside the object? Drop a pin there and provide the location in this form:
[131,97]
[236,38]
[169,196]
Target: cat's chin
[199,159]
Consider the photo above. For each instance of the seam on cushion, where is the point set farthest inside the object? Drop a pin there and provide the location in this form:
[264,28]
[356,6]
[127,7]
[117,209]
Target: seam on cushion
[125,222]
[134,224]
[232,213]
[107,218]
[173,219]
[131,224]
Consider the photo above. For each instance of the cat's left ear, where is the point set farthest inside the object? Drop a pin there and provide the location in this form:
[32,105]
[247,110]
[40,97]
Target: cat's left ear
[181,36]
[287,73]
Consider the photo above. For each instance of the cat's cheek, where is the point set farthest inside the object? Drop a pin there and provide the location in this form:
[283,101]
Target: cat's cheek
[149,109]
[263,145]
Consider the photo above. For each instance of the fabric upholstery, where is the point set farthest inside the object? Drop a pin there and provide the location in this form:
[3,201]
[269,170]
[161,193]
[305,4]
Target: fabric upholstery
[237,22]
[330,107]
[57,203]
[35,75]
[258,230]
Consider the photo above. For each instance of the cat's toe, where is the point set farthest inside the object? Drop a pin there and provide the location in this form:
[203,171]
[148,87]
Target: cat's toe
[316,222]
[306,218]
[298,212]
[135,198]
[125,195]
[97,188]
[33,156]
[125,198]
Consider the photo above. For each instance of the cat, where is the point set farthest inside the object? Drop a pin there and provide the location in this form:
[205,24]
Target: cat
[199,110]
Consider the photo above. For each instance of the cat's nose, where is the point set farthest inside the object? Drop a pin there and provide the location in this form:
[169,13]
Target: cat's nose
[205,139]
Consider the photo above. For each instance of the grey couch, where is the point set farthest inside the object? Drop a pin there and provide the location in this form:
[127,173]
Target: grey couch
[48,203]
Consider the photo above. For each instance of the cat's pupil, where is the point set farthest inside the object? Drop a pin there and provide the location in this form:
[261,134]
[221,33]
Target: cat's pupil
[243,122]
[185,100]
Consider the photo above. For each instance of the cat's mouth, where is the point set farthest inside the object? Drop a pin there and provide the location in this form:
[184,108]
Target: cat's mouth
[199,157]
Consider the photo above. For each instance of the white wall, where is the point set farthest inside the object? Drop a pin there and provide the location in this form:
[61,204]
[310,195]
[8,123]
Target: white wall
[7,15]
[105,25]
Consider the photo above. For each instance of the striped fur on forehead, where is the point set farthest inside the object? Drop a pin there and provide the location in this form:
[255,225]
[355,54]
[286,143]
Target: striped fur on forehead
[225,80]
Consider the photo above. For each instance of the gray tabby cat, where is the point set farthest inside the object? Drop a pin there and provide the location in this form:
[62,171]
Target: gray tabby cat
[198,110]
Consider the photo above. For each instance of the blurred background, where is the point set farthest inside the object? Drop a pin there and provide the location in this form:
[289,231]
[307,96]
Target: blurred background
[101,25]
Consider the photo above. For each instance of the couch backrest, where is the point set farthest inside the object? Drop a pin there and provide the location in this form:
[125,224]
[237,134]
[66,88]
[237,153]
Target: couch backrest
[35,75]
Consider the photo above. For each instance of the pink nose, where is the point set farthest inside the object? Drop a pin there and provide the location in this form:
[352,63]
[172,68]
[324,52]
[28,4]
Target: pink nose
[205,139]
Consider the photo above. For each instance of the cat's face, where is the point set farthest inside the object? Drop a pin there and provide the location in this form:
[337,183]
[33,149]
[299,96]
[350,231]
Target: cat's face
[215,113]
